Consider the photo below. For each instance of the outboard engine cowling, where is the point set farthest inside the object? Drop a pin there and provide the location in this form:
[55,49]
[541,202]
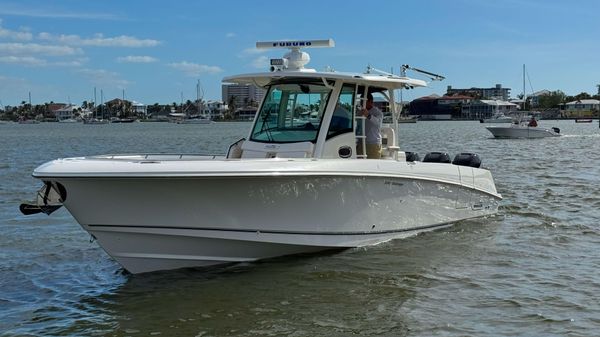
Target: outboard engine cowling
[467,159]
[412,156]
[437,157]
[555,129]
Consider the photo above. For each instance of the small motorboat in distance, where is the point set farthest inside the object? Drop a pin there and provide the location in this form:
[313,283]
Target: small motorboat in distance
[297,183]
[521,129]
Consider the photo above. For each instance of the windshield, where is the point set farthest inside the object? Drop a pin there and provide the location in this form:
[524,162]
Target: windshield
[291,113]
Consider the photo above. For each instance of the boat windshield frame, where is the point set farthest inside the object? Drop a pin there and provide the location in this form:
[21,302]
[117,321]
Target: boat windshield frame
[292,111]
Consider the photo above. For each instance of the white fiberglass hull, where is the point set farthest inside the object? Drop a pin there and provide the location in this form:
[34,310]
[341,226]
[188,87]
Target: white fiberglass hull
[220,211]
[516,131]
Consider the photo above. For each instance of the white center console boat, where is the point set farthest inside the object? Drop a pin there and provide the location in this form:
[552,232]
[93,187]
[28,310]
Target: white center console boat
[522,130]
[295,184]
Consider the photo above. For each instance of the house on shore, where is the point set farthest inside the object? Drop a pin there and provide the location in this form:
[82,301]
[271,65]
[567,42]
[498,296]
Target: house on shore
[488,108]
[459,107]
[434,107]
[581,108]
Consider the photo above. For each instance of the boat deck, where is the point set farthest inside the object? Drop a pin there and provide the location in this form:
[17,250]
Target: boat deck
[157,157]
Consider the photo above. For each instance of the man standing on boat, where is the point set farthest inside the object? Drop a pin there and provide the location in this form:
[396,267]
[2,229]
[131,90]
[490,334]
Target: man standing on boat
[374,118]
[532,122]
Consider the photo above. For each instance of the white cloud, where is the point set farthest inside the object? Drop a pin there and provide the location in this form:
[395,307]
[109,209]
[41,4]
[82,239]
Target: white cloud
[51,12]
[136,59]
[102,77]
[71,63]
[99,40]
[33,61]
[28,49]
[194,69]
[23,60]
[253,51]
[262,62]
[35,54]
[14,35]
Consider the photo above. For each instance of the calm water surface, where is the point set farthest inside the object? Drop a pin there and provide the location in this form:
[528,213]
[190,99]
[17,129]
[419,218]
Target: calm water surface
[532,270]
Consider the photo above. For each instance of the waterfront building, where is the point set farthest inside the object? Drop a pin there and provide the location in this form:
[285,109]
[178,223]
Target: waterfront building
[435,107]
[494,93]
[246,114]
[582,108]
[535,97]
[139,109]
[70,112]
[518,102]
[244,95]
[213,109]
[484,108]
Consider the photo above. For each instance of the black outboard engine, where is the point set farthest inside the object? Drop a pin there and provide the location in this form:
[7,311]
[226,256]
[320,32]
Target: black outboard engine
[467,159]
[555,129]
[437,157]
[412,156]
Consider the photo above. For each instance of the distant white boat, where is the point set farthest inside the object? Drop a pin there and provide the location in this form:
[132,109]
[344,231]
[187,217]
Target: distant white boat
[95,121]
[68,120]
[194,121]
[405,119]
[122,120]
[29,121]
[522,130]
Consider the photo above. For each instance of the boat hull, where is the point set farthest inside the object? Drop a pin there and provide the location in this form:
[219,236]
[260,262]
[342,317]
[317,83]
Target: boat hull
[151,222]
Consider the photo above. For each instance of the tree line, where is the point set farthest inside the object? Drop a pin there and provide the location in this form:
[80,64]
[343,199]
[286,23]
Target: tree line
[555,99]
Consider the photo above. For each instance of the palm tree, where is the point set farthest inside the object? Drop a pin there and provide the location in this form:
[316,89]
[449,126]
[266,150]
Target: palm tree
[231,107]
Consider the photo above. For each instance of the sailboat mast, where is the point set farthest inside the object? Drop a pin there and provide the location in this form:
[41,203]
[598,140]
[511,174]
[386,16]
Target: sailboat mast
[524,99]
[182,111]
[95,107]
[123,105]
[101,103]
[198,97]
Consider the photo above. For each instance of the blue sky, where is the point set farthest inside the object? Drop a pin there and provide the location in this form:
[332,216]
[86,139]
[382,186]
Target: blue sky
[158,50]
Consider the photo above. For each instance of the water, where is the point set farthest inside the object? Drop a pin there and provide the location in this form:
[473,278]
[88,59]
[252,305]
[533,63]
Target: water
[532,270]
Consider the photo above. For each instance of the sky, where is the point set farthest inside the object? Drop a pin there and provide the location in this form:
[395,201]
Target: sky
[157,51]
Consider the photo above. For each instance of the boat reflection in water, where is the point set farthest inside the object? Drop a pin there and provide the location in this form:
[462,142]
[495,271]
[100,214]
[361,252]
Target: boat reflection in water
[295,184]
